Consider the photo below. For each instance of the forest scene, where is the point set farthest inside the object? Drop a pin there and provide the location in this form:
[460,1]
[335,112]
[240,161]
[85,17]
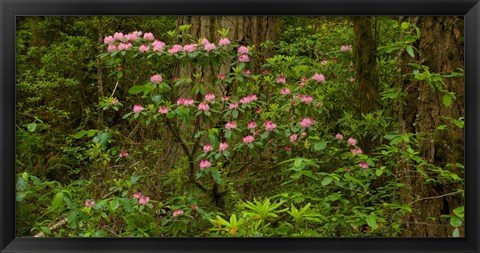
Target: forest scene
[240,126]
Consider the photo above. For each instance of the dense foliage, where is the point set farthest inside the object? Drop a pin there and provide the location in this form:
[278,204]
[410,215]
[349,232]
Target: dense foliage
[159,133]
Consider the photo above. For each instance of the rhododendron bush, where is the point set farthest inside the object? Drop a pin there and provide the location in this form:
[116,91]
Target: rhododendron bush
[210,137]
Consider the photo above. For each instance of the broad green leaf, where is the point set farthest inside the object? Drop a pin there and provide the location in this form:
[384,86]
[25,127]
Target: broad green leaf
[410,50]
[396,140]
[80,134]
[371,221]
[447,100]
[114,204]
[326,181]
[127,204]
[216,176]
[456,233]
[72,219]
[57,202]
[405,25]
[455,222]
[320,146]
[32,127]
[137,89]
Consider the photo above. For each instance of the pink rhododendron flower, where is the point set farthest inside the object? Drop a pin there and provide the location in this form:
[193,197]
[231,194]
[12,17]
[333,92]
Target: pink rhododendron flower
[346,48]
[177,213]
[175,49]
[285,91]
[251,125]
[89,203]
[158,46]
[131,36]
[137,195]
[143,48]
[324,62]
[281,80]
[143,200]
[224,42]
[245,100]
[265,72]
[190,48]
[137,108]
[188,102]
[209,47]
[246,72]
[243,58]
[180,101]
[293,137]
[194,207]
[318,77]
[233,106]
[248,139]
[118,36]
[363,165]
[204,164]
[205,41]
[357,151]
[307,122]
[111,48]
[258,110]
[225,98]
[269,126]
[287,148]
[230,125]
[352,79]
[307,99]
[352,141]
[304,134]
[156,78]
[114,101]
[207,147]
[163,110]
[210,97]
[123,153]
[243,50]
[339,136]
[148,36]
[221,76]
[203,107]
[252,97]
[124,46]
[108,40]
[223,146]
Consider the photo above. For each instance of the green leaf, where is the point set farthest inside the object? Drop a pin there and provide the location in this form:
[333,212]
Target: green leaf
[72,219]
[32,127]
[396,140]
[320,146]
[326,181]
[456,233]
[455,222]
[459,211]
[80,134]
[235,114]
[216,176]
[371,221]
[114,204]
[410,50]
[137,89]
[447,100]
[57,202]
[103,139]
[297,163]
[378,172]
[405,25]
[127,204]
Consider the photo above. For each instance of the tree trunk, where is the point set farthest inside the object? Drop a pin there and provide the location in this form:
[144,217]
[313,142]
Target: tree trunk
[441,50]
[101,95]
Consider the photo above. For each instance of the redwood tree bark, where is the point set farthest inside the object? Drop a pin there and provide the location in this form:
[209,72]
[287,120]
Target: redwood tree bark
[441,49]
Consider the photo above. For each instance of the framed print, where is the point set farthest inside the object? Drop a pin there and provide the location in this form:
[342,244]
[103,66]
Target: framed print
[210,126]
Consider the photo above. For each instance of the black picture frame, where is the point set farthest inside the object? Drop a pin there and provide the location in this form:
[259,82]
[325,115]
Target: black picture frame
[9,9]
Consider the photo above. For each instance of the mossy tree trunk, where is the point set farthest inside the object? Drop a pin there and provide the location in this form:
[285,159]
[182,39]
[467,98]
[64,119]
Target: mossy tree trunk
[441,50]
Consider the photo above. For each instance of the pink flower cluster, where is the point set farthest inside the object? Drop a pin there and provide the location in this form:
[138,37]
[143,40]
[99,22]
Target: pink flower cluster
[137,109]
[204,164]
[356,151]
[158,46]
[248,99]
[248,139]
[124,46]
[163,110]
[233,106]
[177,213]
[148,36]
[142,200]
[223,146]
[363,165]
[89,203]
[281,80]
[302,83]
[143,48]
[224,42]
[285,91]
[203,107]
[185,102]
[156,79]
[207,148]
[190,48]
[306,122]
[339,136]
[175,49]
[318,77]
[352,141]
[230,125]
[269,126]
[210,97]
[123,153]
[252,125]
[346,48]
